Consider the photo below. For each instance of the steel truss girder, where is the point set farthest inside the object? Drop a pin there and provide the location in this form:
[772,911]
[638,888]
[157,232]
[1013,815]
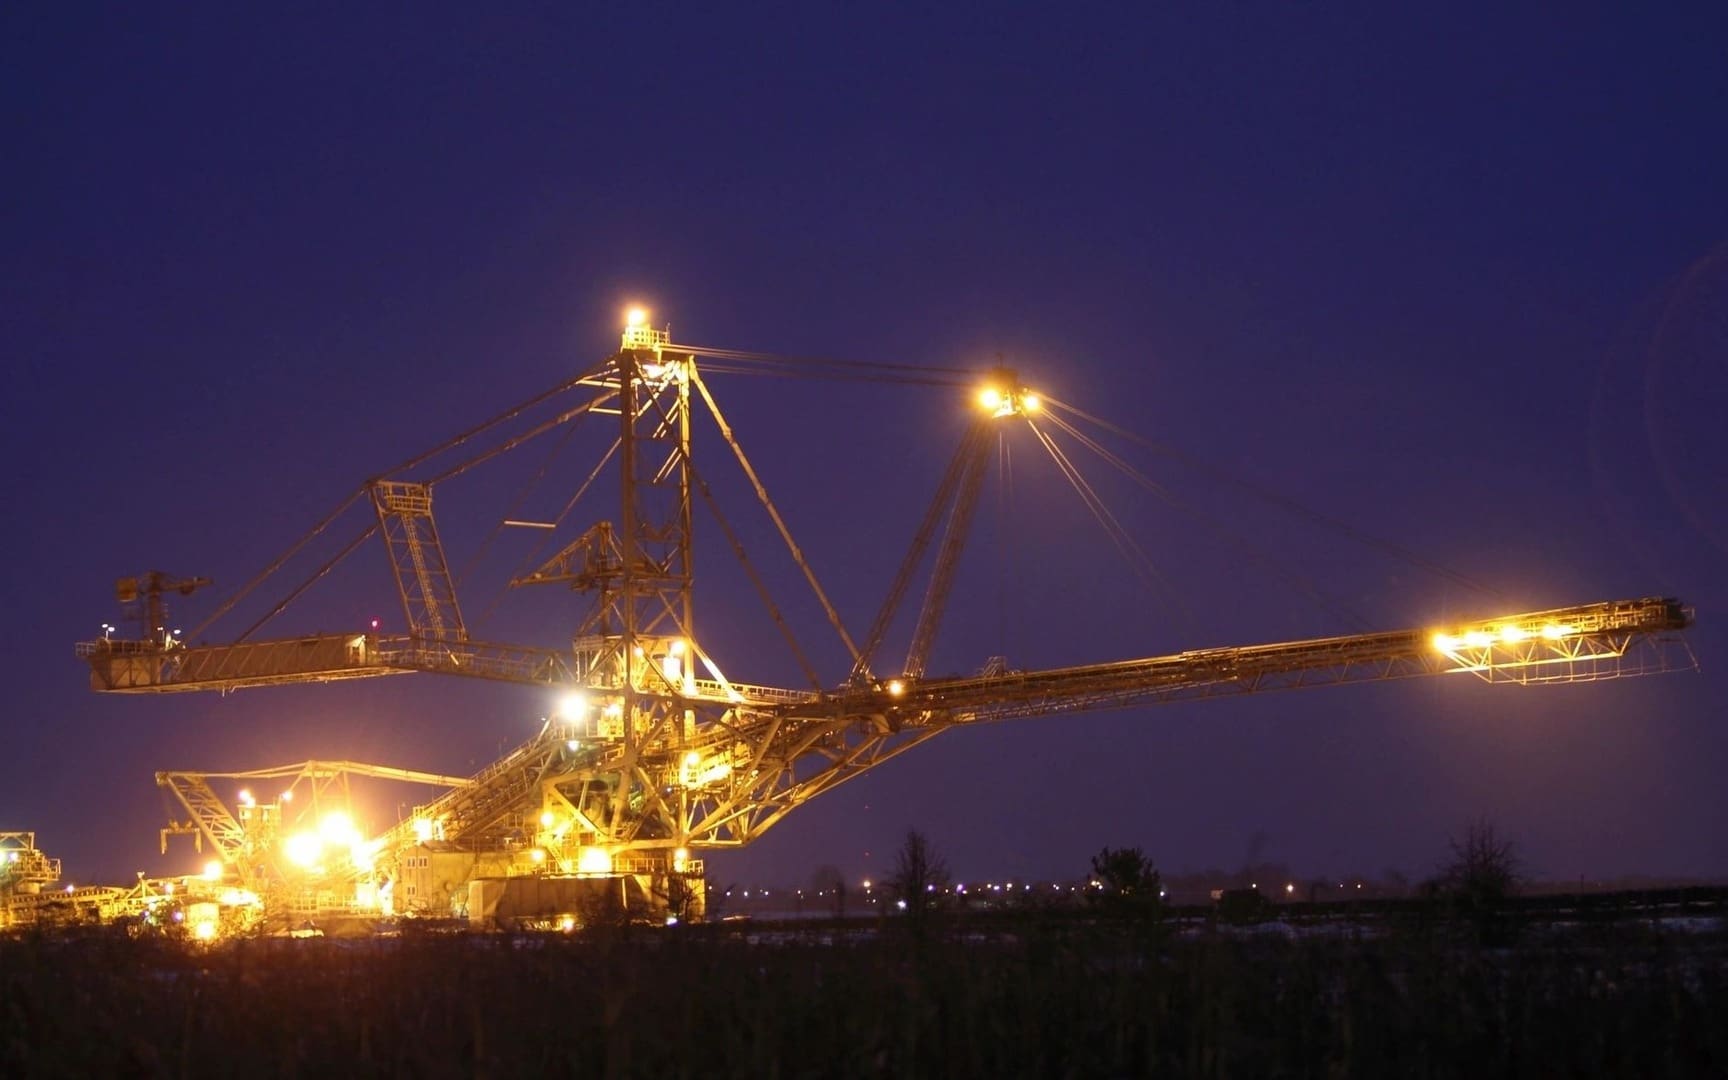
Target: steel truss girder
[209,816]
[737,770]
[1591,642]
[502,789]
[748,773]
[417,560]
[127,667]
[799,760]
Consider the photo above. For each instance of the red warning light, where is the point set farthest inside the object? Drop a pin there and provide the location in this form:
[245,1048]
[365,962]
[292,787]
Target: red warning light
[374,624]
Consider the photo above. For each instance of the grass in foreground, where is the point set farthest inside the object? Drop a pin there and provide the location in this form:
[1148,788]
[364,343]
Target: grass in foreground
[1035,999]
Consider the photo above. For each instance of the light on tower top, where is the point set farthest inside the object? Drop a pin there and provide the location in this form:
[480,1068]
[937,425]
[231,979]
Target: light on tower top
[1004,396]
[638,334]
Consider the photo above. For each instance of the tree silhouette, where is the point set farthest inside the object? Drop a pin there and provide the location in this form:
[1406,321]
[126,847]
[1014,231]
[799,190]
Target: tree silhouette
[920,875]
[1481,876]
[1484,867]
[1126,872]
[1129,882]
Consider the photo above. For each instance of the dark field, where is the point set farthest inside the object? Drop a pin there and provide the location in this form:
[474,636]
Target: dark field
[1029,998]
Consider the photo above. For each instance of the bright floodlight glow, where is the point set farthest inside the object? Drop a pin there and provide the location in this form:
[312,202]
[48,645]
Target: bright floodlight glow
[990,398]
[213,871]
[1029,401]
[593,860]
[573,706]
[338,828]
[303,849]
[538,855]
[1554,633]
[546,819]
[636,316]
[896,688]
[1445,642]
[245,797]
[204,931]
[1476,639]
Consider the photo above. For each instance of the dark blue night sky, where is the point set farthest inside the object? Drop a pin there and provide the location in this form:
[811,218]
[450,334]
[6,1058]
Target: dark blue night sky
[1456,277]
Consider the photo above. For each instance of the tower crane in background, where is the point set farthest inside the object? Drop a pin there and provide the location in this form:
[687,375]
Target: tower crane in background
[143,597]
[654,753]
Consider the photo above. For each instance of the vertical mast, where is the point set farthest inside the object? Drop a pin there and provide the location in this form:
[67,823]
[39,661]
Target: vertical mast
[654,609]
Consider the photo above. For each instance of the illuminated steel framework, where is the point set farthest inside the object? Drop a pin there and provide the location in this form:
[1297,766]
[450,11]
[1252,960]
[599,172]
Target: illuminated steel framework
[265,843]
[645,760]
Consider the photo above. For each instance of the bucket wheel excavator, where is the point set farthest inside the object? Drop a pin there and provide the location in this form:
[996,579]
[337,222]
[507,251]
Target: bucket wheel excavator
[654,755]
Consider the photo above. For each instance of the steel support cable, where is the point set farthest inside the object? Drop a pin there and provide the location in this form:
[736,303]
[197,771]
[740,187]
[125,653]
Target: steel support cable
[295,593]
[1288,504]
[532,433]
[509,514]
[779,522]
[755,577]
[1301,583]
[508,414]
[948,558]
[789,373]
[915,555]
[735,362]
[842,374]
[904,374]
[816,361]
[533,554]
[1125,543]
[1089,496]
[293,550]
[1217,528]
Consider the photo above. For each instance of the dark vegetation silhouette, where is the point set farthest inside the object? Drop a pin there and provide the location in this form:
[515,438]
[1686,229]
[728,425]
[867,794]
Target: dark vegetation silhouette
[1484,866]
[828,890]
[1031,996]
[1478,881]
[1128,885]
[1112,985]
[920,879]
